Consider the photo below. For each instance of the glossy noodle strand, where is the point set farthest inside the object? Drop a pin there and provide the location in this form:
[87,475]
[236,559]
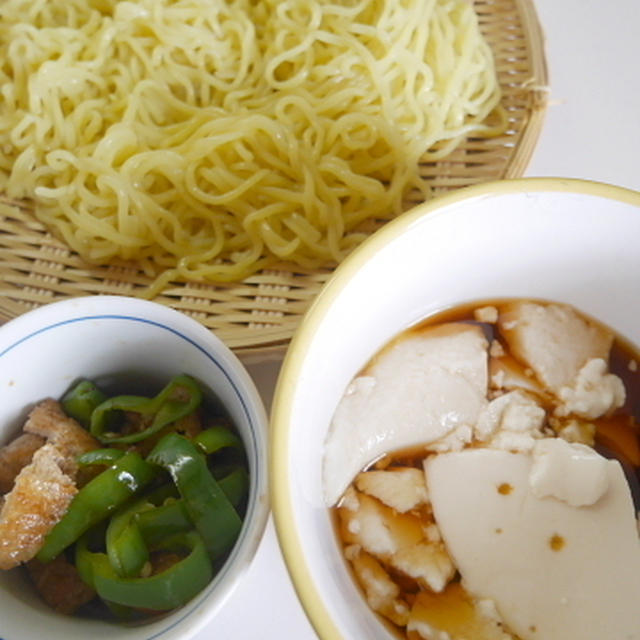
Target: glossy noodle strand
[209,140]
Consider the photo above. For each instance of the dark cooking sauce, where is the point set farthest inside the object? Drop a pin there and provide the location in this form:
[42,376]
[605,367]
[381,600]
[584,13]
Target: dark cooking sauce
[616,436]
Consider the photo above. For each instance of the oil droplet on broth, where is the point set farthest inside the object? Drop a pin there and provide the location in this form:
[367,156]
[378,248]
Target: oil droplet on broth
[556,542]
[505,489]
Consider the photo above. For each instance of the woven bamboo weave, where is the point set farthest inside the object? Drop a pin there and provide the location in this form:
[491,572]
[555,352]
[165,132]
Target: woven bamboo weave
[259,314]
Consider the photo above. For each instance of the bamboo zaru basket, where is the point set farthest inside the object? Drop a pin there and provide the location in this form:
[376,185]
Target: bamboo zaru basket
[259,314]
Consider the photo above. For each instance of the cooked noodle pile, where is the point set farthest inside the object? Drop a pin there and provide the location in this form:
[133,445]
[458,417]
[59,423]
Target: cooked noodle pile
[207,140]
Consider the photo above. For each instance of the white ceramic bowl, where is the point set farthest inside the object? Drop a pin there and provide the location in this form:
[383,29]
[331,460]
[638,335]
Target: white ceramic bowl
[563,240]
[122,339]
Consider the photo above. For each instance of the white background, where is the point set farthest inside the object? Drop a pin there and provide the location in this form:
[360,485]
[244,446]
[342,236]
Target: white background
[591,131]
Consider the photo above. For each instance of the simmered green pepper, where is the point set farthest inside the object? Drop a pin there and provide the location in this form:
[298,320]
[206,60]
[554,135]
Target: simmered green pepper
[216,438]
[235,485]
[99,456]
[97,500]
[80,401]
[166,520]
[166,590]
[208,507]
[140,527]
[126,548]
[179,398]
[191,521]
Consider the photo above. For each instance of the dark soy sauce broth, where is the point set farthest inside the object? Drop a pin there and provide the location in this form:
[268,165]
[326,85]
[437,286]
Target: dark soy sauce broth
[617,435]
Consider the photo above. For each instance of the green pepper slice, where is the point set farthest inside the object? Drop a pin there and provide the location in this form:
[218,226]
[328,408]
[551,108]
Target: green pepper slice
[99,456]
[126,547]
[96,500]
[165,409]
[161,522]
[170,518]
[80,401]
[164,591]
[235,485]
[208,507]
[215,438]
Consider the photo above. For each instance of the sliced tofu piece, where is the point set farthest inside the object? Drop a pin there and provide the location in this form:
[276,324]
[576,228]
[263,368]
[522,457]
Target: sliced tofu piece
[48,420]
[402,489]
[553,570]
[416,391]
[39,498]
[453,615]
[553,340]
[16,455]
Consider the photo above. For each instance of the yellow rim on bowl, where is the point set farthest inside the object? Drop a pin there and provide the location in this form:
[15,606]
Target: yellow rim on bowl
[279,471]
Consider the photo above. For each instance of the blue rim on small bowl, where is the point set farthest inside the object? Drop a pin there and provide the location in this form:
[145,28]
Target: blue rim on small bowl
[129,315]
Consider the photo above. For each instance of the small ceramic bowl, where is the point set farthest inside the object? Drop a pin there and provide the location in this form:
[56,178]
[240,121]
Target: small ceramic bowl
[563,240]
[120,340]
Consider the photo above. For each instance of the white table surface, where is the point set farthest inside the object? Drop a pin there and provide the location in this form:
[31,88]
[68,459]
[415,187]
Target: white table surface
[591,131]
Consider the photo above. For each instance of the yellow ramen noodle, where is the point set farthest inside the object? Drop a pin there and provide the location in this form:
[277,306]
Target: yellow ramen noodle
[207,140]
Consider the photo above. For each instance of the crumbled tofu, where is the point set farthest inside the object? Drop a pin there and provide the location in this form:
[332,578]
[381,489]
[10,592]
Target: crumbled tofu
[455,615]
[593,393]
[486,314]
[367,527]
[427,562]
[497,379]
[575,430]
[400,540]
[573,473]
[402,489]
[432,533]
[350,500]
[513,441]
[496,350]
[381,592]
[553,340]
[416,391]
[351,551]
[512,422]
[508,374]
[454,441]
[420,630]
[378,529]
[39,498]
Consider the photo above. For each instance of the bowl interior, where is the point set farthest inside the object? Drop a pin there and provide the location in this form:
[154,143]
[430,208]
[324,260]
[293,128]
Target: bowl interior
[562,240]
[125,344]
